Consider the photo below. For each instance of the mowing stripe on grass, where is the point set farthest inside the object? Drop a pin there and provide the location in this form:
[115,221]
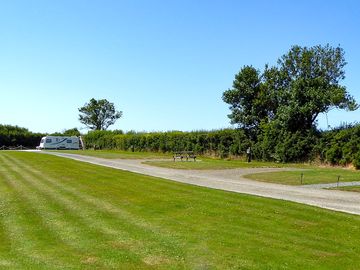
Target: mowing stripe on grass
[74,234]
[123,220]
[21,224]
[254,227]
[91,206]
[6,234]
[92,219]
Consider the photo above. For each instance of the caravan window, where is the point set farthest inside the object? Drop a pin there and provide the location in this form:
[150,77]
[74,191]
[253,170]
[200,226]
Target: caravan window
[69,141]
[42,141]
[48,140]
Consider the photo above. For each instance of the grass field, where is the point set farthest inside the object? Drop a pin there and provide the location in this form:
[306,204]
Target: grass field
[118,154]
[349,188]
[212,164]
[310,176]
[202,163]
[62,214]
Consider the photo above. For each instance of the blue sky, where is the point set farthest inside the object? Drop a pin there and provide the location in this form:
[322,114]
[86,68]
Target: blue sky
[165,64]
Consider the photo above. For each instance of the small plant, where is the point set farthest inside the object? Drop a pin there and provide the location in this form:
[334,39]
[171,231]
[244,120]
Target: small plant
[356,161]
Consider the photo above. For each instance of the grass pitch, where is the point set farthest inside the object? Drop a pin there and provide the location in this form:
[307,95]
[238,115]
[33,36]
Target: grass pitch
[213,164]
[310,176]
[63,214]
[118,154]
[349,188]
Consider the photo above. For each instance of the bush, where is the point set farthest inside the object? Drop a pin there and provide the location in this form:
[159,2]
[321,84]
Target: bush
[356,161]
[277,144]
[100,139]
[340,146]
[15,136]
[218,142]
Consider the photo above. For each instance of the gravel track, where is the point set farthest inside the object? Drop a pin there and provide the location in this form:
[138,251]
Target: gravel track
[233,180]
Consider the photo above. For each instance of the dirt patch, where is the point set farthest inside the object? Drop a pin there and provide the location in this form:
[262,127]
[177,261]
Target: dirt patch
[156,260]
[129,245]
[90,260]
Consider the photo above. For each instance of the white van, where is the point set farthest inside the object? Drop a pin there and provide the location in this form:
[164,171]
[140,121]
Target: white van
[59,142]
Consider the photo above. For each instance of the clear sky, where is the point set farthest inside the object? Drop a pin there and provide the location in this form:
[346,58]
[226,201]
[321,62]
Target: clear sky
[165,64]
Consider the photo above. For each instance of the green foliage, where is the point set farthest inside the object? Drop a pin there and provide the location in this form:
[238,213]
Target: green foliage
[246,99]
[277,144]
[305,82]
[341,146]
[72,132]
[278,108]
[15,136]
[220,142]
[100,139]
[338,147]
[333,155]
[296,146]
[311,85]
[356,161]
[67,132]
[98,114]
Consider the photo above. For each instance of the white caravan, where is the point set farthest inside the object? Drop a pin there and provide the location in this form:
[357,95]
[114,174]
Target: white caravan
[59,142]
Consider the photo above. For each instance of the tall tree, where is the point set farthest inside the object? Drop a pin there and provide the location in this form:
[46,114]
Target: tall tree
[246,99]
[71,132]
[98,114]
[311,85]
[305,83]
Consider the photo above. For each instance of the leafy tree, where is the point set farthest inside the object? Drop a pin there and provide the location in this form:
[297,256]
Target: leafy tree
[14,136]
[278,108]
[247,99]
[98,114]
[67,132]
[72,132]
[311,85]
[305,83]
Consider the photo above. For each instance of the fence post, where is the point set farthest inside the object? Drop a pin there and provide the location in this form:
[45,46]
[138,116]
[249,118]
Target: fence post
[301,178]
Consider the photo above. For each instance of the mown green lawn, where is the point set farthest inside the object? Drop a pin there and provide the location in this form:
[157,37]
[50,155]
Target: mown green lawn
[202,163]
[57,213]
[118,154]
[212,164]
[310,176]
[349,188]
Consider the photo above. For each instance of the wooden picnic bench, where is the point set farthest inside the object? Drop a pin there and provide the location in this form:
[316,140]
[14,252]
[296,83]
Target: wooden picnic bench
[184,154]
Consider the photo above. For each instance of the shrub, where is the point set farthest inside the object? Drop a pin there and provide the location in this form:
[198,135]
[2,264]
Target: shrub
[356,161]
[15,136]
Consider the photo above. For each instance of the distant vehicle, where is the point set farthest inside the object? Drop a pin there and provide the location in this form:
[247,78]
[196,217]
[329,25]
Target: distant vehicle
[60,142]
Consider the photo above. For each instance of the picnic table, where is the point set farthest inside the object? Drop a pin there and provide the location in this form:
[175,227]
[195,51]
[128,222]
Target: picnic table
[184,154]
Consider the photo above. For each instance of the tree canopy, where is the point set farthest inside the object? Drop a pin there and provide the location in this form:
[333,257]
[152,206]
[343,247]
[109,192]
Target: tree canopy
[305,83]
[98,114]
[15,136]
[278,107]
[67,132]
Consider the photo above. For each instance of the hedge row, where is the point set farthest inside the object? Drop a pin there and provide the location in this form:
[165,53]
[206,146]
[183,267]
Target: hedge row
[15,136]
[341,146]
[219,142]
[338,147]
